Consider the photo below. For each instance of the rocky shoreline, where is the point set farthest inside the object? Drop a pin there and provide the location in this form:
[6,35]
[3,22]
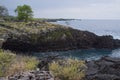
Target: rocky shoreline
[106,68]
[54,39]
[32,75]
[59,38]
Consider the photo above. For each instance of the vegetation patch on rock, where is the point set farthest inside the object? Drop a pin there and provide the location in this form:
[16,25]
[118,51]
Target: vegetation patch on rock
[68,69]
[44,36]
[11,63]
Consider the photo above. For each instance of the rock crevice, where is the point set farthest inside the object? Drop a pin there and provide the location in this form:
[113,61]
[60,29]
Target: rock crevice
[106,68]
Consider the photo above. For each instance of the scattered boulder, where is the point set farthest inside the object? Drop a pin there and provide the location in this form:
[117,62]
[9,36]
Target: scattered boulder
[44,63]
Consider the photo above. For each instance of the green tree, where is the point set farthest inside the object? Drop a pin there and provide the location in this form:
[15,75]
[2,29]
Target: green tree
[3,12]
[24,13]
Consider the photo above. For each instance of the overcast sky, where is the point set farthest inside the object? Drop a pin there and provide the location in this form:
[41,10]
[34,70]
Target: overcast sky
[80,9]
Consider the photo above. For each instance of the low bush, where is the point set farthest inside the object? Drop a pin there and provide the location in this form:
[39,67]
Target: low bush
[68,70]
[6,59]
[11,63]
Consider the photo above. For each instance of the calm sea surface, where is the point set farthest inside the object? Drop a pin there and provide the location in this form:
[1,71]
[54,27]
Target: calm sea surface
[92,54]
[99,27]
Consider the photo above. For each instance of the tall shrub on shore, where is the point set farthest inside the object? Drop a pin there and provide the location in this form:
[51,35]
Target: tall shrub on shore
[24,13]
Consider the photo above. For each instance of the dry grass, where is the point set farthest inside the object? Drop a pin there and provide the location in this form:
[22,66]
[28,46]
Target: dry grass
[23,63]
[11,63]
[68,70]
[24,27]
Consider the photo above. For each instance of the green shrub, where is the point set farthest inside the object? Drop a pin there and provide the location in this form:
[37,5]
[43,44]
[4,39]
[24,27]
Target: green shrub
[68,70]
[23,63]
[6,59]
[11,63]
[30,62]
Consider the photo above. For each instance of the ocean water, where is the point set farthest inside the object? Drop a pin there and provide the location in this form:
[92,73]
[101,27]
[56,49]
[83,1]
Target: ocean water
[99,27]
[90,54]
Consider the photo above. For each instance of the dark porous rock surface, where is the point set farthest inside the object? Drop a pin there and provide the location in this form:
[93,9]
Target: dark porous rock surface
[44,63]
[41,73]
[54,39]
[31,75]
[106,68]
[77,40]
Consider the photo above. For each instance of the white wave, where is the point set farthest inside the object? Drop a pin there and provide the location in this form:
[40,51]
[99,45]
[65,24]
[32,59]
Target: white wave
[115,53]
[99,27]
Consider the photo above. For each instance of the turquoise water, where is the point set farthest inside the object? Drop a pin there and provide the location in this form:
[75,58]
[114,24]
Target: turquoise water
[91,54]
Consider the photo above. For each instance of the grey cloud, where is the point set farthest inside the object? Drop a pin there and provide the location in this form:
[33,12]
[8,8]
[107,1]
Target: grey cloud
[69,8]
